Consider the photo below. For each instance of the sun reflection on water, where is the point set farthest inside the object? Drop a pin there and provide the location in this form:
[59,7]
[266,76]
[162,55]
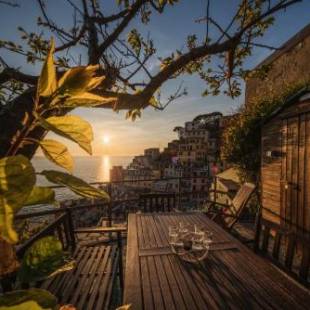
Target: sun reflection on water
[104,169]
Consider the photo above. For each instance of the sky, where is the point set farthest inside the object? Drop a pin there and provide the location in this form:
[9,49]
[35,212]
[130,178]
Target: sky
[169,31]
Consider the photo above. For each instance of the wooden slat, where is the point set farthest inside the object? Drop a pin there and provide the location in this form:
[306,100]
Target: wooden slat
[89,285]
[132,293]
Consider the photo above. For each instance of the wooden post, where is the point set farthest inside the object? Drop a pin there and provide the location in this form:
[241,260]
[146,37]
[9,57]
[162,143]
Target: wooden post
[120,261]
[110,206]
[179,193]
[215,189]
[71,227]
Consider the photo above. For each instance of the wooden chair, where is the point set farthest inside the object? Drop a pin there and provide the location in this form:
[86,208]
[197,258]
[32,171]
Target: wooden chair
[90,284]
[163,202]
[228,215]
[287,249]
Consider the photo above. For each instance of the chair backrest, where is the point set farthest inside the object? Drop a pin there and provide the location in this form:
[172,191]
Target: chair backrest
[158,202]
[289,250]
[238,204]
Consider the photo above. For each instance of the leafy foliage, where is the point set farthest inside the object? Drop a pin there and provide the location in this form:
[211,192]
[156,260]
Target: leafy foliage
[71,127]
[28,299]
[77,185]
[17,179]
[40,195]
[47,83]
[57,153]
[45,258]
[17,175]
[242,136]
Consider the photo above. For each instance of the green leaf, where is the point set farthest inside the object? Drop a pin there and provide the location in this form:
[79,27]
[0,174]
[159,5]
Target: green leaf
[24,299]
[7,211]
[45,258]
[71,127]
[78,80]
[57,153]
[27,305]
[77,185]
[40,195]
[47,83]
[86,100]
[17,178]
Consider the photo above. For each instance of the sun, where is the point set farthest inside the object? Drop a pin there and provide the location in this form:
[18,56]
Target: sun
[106,139]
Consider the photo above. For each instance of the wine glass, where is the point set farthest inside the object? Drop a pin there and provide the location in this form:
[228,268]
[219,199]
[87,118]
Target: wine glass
[173,234]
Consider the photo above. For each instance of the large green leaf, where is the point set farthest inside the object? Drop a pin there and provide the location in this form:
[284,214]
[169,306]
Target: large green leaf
[26,299]
[77,185]
[44,259]
[57,153]
[86,100]
[47,83]
[71,127]
[78,80]
[17,178]
[40,195]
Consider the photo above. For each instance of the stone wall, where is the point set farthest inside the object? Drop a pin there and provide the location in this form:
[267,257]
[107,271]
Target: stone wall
[289,65]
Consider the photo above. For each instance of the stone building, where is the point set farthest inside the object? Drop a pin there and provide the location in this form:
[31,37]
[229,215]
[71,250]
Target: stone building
[288,65]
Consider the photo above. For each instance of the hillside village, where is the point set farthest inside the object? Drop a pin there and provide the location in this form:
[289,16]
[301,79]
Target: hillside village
[188,164]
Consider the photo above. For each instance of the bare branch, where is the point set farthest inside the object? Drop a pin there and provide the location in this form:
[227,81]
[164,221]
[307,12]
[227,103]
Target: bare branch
[8,3]
[12,74]
[119,29]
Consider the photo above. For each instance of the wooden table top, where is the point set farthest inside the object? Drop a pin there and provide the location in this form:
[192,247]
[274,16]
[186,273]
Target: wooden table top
[232,278]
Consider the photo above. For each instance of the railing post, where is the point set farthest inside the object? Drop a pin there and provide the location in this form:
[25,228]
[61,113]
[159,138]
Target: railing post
[71,227]
[109,189]
[179,193]
[215,189]
[120,260]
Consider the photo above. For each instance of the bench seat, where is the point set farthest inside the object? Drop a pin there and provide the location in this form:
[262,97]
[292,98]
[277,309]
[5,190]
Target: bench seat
[89,286]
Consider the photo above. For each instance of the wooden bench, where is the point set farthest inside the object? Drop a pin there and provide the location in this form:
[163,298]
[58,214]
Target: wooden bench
[90,284]
[98,262]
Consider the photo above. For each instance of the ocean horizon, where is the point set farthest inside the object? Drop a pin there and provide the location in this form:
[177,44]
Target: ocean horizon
[88,168]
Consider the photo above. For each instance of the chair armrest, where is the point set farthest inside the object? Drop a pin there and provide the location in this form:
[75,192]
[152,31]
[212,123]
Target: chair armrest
[100,230]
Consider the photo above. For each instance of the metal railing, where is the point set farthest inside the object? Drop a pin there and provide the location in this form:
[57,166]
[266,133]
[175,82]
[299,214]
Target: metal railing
[66,218]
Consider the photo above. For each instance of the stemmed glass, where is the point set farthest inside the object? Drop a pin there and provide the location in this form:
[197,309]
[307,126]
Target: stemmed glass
[189,242]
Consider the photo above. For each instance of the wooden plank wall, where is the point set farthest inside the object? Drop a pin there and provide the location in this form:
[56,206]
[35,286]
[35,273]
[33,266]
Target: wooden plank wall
[286,179]
[271,171]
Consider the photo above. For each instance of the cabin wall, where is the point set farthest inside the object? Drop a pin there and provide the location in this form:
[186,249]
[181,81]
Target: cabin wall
[271,171]
[286,176]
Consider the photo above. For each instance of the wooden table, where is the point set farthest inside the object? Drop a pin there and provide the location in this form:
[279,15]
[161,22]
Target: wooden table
[232,277]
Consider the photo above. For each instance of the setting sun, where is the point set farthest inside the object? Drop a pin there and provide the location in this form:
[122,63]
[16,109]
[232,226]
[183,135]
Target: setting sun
[106,139]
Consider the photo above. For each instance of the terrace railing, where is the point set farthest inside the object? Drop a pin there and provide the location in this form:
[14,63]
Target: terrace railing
[64,220]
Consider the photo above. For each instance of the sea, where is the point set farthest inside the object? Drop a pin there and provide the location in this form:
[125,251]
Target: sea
[90,169]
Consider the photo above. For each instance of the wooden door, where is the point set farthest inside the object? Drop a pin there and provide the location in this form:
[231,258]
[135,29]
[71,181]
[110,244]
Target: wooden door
[295,173]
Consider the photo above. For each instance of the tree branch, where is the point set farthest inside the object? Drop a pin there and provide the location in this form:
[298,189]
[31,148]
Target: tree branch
[123,24]
[12,74]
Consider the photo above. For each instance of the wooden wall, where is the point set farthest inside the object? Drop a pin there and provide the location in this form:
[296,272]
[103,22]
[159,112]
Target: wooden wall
[271,171]
[286,176]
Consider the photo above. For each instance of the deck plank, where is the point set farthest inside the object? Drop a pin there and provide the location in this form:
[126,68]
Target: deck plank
[232,277]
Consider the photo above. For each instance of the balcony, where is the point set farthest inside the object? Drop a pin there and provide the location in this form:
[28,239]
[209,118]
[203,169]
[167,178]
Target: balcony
[111,240]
